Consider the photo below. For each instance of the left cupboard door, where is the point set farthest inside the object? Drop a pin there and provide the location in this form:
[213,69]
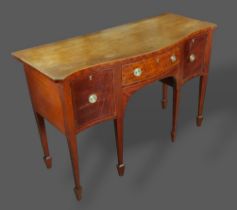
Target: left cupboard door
[93,96]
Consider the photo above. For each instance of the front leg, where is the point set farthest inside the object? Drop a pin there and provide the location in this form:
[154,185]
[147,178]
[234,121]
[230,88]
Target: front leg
[118,126]
[202,93]
[72,145]
[176,100]
[70,132]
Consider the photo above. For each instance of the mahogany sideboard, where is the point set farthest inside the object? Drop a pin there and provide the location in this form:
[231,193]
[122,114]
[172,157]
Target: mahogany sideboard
[79,82]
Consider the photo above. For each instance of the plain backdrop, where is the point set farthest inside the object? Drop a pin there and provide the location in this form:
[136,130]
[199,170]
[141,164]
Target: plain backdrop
[197,172]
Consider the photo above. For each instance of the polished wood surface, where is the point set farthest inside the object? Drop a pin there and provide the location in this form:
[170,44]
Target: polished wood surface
[99,83]
[196,47]
[150,66]
[60,59]
[79,82]
[45,97]
[43,137]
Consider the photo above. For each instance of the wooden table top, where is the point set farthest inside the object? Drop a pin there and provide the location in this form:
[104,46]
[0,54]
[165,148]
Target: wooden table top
[62,58]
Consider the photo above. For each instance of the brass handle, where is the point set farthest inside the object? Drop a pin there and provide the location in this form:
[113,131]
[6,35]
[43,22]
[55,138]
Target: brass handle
[173,58]
[137,72]
[192,58]
[92,98]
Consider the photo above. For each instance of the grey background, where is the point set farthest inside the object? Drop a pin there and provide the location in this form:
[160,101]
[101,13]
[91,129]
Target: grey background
[197,172]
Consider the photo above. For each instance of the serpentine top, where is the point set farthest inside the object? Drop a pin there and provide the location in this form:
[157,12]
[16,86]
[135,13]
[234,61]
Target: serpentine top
[62,58]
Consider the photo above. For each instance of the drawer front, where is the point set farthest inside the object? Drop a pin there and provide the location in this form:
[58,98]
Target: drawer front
[163,63]
[93,96]
[194,55]
[134,72]
[153,66]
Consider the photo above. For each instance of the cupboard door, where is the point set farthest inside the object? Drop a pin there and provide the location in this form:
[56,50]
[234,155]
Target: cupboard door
[93,96]
[194,51]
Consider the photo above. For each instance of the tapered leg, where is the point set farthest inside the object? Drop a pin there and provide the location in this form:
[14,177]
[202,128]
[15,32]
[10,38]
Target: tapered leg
[118,125]
[72,145]
[202,93]
[176,99]
[43,137]
[164,100]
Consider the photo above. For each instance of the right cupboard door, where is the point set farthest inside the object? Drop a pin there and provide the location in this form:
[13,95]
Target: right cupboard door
[194,52]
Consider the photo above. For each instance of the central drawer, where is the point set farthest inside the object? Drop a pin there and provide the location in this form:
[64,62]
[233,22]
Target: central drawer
[152,66]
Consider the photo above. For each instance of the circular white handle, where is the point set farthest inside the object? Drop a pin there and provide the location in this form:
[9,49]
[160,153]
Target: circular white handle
[92,98]
[192,58]
[173,58]
[137,72]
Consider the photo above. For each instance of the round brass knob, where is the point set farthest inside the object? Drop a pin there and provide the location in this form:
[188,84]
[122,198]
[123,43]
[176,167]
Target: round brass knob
[137,72]
[173,58]
[192,58]
[92,98]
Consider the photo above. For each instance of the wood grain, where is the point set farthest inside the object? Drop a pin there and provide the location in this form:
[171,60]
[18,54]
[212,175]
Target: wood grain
[61,76]
[99,83]
[194,46]
[152,66]
[60,59]
[45,97]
